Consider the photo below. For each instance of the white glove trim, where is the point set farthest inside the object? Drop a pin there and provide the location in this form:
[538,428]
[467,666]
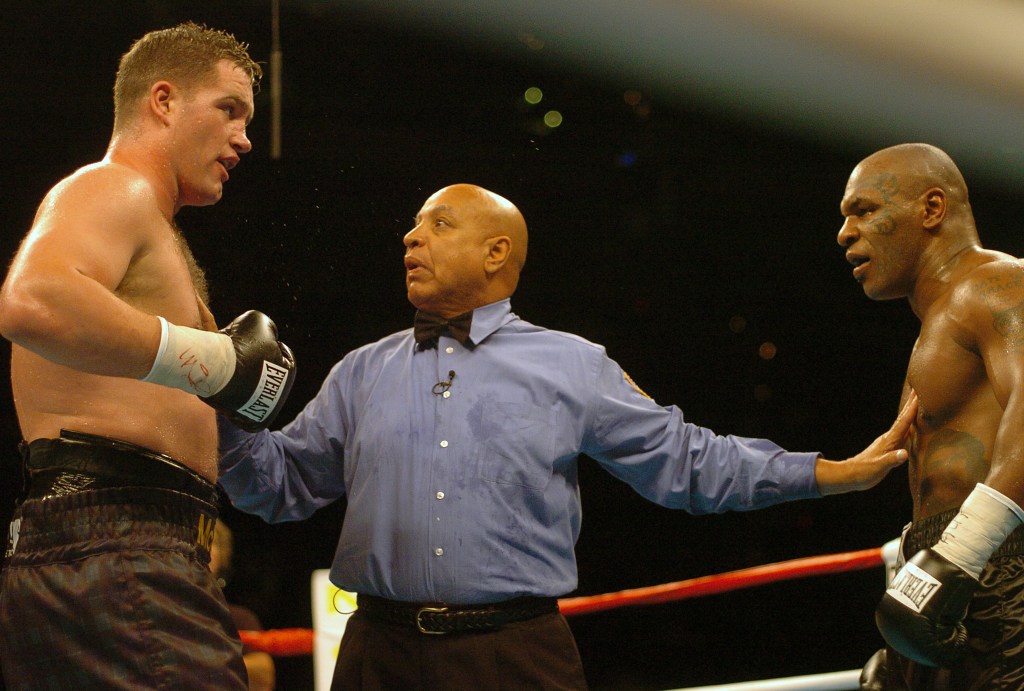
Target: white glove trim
[1002,499]
[198,362]
[983,524]
[159,351]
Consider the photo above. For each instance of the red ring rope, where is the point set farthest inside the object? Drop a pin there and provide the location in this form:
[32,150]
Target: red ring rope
[292,642]
[279,642]
[733,580]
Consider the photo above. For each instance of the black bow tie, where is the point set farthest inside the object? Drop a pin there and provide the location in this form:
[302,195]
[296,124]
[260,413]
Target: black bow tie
[428,327]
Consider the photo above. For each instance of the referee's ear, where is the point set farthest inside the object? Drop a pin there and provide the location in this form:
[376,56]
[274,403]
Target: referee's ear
[499,249]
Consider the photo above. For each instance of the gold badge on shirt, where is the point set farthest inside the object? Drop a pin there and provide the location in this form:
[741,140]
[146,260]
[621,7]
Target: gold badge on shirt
[629,380]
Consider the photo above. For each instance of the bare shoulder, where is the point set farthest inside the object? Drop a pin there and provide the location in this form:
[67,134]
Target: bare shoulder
[994,283]
[989,301]
[97,196]
[96,222]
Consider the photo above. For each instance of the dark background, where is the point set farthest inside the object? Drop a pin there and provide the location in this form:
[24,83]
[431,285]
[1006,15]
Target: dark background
[653,227]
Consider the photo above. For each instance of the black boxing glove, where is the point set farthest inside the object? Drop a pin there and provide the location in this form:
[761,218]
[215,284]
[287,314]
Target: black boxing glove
[242,370]
[263,376]
[921,615]
[874,676]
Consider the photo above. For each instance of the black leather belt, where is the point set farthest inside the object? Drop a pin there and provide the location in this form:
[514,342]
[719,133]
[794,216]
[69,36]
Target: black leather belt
[439,618]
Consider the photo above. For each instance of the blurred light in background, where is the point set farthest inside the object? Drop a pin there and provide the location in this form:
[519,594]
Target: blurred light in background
[552,118]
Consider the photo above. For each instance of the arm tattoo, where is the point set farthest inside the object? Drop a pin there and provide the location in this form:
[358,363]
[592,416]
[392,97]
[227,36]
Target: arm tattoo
[1010,325]
[1007,319]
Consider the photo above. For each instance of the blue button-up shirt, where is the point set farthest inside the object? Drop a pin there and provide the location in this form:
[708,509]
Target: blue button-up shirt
[469,494]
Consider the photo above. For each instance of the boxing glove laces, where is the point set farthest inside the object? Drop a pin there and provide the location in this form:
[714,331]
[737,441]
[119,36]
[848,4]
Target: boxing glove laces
[921,615]
[242,370]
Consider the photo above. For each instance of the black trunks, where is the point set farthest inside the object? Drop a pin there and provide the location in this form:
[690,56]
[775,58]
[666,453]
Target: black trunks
[106,583]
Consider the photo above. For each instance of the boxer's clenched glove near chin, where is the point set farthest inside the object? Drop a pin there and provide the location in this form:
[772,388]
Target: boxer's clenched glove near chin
[921,614]
[263,376]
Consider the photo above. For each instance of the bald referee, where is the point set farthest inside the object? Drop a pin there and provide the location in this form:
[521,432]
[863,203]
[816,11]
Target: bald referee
[455,443]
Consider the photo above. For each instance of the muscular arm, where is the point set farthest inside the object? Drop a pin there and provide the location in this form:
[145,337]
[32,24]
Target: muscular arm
[985,316]
[994,303]
[59,298]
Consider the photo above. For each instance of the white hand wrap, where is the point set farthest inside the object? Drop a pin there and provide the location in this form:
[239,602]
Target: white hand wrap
[199,362]
[986,519]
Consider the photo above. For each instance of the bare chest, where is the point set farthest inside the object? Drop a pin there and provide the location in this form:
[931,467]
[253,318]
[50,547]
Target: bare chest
[951,442]
[948,377]
[166,279]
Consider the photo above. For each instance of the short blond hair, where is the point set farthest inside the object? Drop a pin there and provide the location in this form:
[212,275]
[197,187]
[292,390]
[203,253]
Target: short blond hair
[185,55]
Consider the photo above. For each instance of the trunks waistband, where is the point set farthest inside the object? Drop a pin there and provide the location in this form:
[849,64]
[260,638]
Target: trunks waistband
[926,532]
[94,520]
[78,462]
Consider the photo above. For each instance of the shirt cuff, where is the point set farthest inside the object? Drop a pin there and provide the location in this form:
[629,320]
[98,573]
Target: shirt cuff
[230,438]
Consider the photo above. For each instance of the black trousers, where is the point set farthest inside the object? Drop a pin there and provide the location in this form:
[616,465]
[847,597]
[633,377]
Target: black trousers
[537,654]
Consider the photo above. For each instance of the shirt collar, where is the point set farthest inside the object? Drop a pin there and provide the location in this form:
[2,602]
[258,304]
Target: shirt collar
[490,318]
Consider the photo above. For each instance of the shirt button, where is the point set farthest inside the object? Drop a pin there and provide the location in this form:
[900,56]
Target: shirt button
[439,495]
[444,443]
[446,394]
[449,350]
[438,552]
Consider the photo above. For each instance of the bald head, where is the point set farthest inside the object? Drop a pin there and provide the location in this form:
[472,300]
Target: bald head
[496,216]
[467,249]
[905,212]
[917,167]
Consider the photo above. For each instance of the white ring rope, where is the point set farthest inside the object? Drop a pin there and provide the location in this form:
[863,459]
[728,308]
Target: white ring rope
[833,681]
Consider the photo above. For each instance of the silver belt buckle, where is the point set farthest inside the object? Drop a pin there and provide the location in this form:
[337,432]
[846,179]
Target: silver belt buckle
[430,610]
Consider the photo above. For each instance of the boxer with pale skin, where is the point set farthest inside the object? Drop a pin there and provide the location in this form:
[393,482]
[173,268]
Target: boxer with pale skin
[117,372]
